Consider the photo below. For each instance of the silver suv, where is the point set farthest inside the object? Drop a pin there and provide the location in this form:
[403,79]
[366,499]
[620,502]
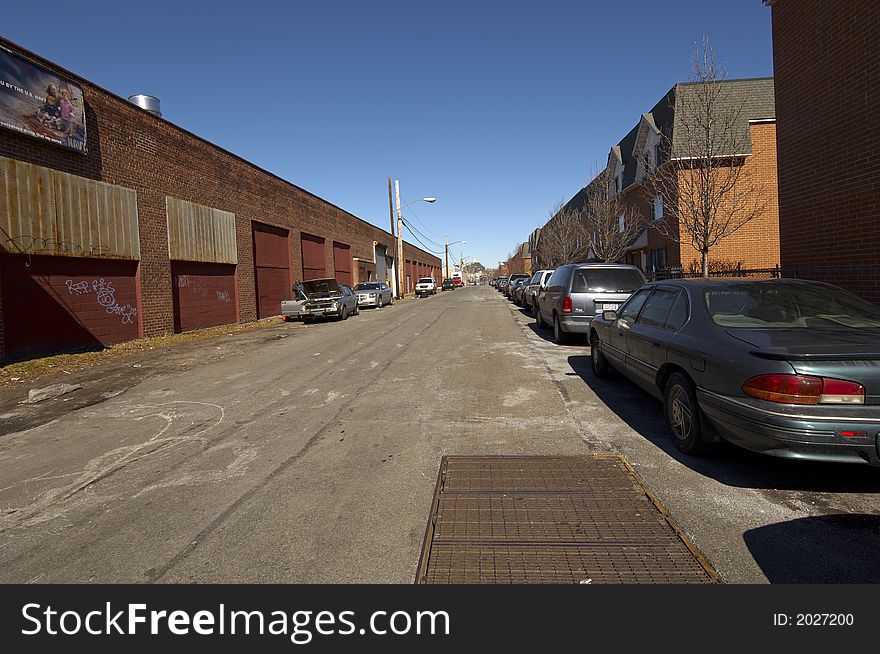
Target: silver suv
[577,292]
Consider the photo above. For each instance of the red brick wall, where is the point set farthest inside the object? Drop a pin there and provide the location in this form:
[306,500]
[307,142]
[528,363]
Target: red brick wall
[132,148]
[826,58]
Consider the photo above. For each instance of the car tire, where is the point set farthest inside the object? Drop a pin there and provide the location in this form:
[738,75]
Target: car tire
[379,303]
[343,315]
[535,311]
[539,319]
[558,334]
[684,420]
[357,311]
[601,367]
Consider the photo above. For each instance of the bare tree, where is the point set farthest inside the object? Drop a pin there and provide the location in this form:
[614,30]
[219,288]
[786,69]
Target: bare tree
[708,192]
[611,225]
[564,239]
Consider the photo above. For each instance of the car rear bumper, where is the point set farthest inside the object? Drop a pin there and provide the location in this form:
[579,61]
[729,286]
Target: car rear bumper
[575,324]
[794,432]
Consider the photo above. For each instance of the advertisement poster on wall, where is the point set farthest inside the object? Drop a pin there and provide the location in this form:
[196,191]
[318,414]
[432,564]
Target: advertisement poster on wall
[41,104]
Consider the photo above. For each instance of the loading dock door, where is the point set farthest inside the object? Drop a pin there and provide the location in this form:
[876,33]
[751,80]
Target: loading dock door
[56,304]
[203,294]
[272,268]
[313,262]
[342,262]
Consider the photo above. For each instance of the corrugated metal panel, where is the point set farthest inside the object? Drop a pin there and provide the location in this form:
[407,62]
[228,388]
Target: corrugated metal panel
[46,211]
[200,233]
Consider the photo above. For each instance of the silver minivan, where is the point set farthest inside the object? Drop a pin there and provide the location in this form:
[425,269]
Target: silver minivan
[577,292]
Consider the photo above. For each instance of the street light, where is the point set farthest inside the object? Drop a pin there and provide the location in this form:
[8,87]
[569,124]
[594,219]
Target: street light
[400,259]
[448,276]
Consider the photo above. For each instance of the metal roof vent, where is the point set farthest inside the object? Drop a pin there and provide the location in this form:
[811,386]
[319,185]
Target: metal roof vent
[146,102]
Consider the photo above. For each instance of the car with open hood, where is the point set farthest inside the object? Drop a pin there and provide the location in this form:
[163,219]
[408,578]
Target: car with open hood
[327,299]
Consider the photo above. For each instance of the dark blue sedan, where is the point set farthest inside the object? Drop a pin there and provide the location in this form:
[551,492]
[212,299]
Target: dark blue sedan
[789,368]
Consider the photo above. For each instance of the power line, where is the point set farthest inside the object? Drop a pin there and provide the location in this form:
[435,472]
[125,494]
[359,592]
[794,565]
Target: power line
[427,249]
[412,227]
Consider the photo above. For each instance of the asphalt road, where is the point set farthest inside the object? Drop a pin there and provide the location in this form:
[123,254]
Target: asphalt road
[309,453]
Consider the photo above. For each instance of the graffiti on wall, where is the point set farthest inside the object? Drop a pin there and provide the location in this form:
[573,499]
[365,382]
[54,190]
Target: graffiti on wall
[105,295]
[197,285]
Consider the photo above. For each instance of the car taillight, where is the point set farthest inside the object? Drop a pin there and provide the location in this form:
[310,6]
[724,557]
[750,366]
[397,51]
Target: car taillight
[566,305]
[804,389]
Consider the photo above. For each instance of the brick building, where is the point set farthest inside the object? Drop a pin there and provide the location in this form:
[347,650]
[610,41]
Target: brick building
[151,229]
[827,76]
[656,138]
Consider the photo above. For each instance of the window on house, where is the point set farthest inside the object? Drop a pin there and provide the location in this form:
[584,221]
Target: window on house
[657,209]
[621,222]
[658,259]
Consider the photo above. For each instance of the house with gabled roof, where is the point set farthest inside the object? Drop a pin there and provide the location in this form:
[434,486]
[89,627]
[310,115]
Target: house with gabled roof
[660,137]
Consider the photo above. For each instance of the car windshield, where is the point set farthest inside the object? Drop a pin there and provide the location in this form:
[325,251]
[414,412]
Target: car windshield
[426,280]
[320,287]
[371,286]
[788,306]
[606,280]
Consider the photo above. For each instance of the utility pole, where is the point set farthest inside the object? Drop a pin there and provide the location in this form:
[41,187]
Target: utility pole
[400,261]
[391,212]
[447,276]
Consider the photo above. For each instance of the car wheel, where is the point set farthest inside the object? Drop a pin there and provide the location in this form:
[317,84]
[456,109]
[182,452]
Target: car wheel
[601,367]
[683,417]
[343,315]
[379,305]
[357,310]
[558,335]
[539,319]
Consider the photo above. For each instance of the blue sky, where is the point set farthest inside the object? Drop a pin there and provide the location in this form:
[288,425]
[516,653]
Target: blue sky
[499,109]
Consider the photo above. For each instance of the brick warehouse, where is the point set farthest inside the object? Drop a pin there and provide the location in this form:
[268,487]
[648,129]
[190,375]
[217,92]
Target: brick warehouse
[826,60]
[189,235]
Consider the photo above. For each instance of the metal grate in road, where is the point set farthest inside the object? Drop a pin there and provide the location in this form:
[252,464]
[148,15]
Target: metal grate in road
[512,519]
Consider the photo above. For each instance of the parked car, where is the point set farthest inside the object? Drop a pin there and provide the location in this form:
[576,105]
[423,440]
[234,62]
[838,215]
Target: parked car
[508,287]
[426,286]
[530,293]
[458,282]
[500,282]
[448,285]
[516,289]
[790,368]
[575,293]
[290,309]
[373,294]
[327,298]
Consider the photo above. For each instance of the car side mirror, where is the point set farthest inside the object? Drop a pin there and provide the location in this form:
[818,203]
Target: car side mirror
[610,316]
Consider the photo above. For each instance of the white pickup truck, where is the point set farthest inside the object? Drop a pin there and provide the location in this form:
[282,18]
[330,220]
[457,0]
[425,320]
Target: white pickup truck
[426,286]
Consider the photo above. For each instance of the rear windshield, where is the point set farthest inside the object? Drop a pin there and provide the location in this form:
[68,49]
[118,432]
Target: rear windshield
[372,286]
[606,280]
[788,306]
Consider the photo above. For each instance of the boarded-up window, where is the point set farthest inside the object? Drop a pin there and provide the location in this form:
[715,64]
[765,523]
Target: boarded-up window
[45,211]
[200,233]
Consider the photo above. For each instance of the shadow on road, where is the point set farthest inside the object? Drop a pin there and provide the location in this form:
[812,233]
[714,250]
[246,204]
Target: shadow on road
[839,548]
[730,465]
[574,340]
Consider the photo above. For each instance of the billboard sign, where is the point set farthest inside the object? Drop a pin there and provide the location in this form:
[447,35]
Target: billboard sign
[40,103]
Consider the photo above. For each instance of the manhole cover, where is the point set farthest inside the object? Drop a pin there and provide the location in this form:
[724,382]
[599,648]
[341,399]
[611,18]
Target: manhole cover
[512,519]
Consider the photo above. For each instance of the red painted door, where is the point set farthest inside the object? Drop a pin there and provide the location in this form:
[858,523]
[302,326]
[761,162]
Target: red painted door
[314,264]
[57,304]
[342,262]
[203,293]
[272,268]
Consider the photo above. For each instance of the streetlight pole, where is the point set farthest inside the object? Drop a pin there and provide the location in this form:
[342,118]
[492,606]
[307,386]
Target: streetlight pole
[400,261]
[447,275]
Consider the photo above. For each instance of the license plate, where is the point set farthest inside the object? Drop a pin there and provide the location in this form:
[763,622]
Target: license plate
[609,307]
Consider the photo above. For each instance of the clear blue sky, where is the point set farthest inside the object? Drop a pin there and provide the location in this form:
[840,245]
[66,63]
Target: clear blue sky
[499,109]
